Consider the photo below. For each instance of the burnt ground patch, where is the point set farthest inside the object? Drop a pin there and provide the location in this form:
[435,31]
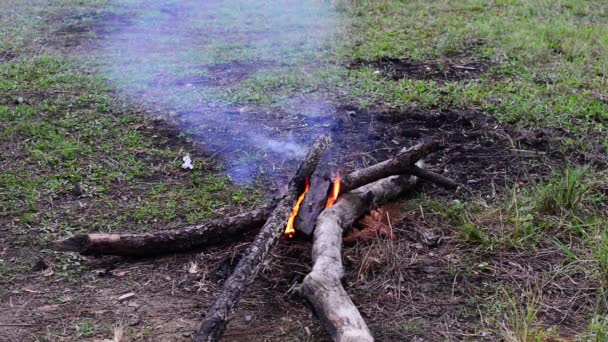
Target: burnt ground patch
[74,30]
[217,75]
[443,70]
[478,152]
[7,55]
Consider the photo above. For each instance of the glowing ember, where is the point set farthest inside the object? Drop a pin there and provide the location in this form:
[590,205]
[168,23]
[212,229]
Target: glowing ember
[290,230]
[335,192]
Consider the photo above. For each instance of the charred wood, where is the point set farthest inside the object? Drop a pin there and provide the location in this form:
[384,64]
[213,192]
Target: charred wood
[233,228]
[313,204]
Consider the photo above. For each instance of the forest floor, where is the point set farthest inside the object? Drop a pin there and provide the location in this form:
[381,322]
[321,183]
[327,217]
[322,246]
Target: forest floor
[100,101]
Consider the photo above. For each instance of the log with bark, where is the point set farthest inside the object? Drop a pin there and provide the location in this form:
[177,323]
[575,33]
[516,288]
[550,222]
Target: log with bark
[234,228]
[402,163]
[322,287]
[341,320]
[168,241]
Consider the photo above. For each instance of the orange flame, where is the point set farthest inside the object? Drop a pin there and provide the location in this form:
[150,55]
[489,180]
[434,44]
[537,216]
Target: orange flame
[290,230]
[335,192]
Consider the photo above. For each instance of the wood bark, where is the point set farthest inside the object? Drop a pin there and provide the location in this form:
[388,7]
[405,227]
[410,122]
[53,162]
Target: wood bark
[402,163]
[214,323]
[169,241]
[322,287]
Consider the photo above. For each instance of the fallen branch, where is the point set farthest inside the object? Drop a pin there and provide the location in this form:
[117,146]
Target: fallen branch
[435,178]
[214,324]
[322,287]
[168,241]
[402,163]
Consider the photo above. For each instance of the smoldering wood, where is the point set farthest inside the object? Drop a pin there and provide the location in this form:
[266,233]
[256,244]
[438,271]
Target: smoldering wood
[322,287]
[214,323]
[168,241]
[402,163]
[313,204]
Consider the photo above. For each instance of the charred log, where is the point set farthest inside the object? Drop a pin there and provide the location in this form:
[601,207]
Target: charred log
[215,320]
[402,163]
[313,204]
[233,228]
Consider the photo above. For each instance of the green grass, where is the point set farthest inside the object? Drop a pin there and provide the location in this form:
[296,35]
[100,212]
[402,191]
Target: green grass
[597,330]
[564,193]
[571,203]
[565,41]
[86,328]
[520,318]
[63,128]
[548,61]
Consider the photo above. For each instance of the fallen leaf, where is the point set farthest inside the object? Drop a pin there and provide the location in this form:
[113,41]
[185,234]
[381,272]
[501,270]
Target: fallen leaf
[377,223]
[119,274]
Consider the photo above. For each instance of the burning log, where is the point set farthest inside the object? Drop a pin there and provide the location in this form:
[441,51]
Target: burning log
[323,202]
[322,287]
[402,163]
[314,203]
[214,324]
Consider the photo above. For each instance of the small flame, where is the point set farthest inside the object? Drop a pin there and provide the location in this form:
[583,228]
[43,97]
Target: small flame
[290,230]
[335,192]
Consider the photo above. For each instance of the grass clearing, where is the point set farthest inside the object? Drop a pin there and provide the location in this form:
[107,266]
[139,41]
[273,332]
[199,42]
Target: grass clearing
[77,157]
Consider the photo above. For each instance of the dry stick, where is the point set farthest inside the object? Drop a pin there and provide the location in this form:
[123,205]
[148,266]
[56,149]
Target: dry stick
[435,178]
[169,241]
[322,286]
[402,163]
[214,324]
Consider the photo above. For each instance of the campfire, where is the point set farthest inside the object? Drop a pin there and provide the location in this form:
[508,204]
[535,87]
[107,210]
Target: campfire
[313,204]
